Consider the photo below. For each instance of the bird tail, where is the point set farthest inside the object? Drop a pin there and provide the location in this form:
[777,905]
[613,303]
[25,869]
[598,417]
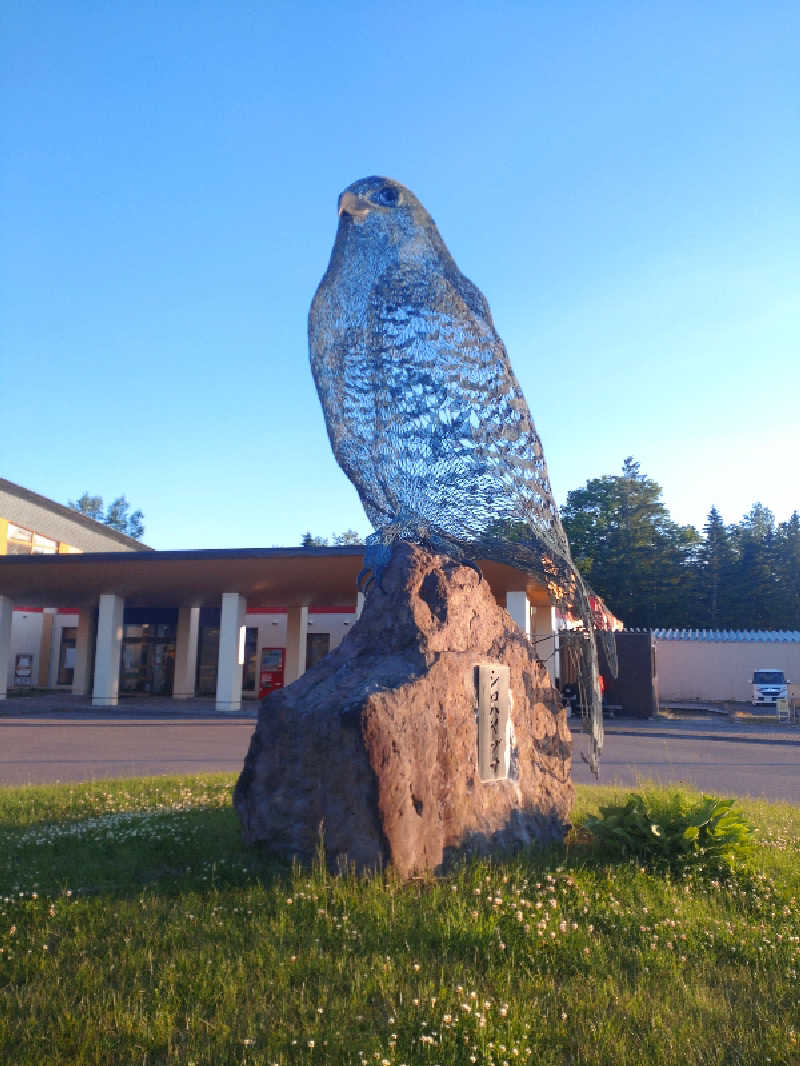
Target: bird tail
[581,649]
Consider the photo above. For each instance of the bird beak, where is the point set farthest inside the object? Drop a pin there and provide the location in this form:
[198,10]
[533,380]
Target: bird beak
[355,206]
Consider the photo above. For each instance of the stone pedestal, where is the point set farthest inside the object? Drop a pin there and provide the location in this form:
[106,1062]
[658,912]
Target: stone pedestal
[379,743]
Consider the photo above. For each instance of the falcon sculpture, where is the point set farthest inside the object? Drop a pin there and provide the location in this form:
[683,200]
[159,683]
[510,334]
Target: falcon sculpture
[424,413]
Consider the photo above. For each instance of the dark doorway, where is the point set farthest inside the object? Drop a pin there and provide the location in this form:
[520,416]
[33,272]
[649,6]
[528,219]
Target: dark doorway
[207,657]
[317,647]
[66,655]
[208,660]
[148,658]
[250,653]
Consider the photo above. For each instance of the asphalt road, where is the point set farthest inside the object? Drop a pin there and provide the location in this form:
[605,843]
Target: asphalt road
[714,756]
[37,750]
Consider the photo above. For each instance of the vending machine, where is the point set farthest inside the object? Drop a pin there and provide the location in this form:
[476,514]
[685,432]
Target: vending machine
[270,675]
[23,670]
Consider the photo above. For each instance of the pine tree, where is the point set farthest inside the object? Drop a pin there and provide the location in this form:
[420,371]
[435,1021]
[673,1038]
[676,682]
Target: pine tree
[631,552]
[714,572]
[753,582]
[787,553]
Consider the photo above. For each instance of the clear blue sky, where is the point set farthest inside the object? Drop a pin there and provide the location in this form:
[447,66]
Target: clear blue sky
[621,180]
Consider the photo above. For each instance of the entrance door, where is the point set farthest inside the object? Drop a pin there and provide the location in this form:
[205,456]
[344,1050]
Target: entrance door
[207,656]
[208,660]
[66,655]
[249,667]
[148,659]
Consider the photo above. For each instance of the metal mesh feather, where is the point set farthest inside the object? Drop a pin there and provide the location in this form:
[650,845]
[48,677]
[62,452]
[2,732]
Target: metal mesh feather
[423,410]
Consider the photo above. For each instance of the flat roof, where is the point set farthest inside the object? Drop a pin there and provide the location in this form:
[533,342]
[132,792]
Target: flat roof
[266,577]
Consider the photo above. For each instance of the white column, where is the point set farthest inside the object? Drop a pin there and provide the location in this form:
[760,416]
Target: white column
[359,604]
[231,651]
[545,633]
[296,635]
[109,646]
[6,610]
[186,653]
[518,606]
[84,648]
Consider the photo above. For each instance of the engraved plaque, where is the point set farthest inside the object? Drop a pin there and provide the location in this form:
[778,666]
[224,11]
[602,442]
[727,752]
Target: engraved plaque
[494,690]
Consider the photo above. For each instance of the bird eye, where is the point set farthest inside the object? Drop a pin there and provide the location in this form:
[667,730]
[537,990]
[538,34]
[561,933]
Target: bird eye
[387,196]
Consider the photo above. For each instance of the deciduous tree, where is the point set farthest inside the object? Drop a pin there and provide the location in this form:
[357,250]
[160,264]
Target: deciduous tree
[116,516]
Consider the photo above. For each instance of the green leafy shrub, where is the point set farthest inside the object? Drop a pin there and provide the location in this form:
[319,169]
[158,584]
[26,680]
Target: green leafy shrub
[667,831]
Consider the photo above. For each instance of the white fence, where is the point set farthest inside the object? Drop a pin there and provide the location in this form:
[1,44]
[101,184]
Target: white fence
[718,665]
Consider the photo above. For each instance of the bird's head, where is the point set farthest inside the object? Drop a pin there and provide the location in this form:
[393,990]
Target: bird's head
[375,194]
[382,224]
[381,205]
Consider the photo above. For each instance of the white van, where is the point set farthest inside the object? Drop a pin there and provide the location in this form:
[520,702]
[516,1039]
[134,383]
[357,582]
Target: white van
[768,686]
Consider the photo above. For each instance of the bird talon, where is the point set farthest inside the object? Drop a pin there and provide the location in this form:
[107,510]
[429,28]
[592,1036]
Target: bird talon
[368,572]
[375,577]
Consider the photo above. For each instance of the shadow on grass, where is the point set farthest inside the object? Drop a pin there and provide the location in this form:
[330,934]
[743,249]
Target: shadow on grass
[173,852]
[120,855]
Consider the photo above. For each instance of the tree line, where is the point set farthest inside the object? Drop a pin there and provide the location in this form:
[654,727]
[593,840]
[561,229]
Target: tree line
[653,572]
[350,536]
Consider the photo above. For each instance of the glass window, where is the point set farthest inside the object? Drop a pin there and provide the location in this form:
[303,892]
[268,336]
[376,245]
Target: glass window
[22,541]
[148,658]
[768,677]
[207,655]
[317,647]
[66,656]
[43,545]
[250,651]
[19,540]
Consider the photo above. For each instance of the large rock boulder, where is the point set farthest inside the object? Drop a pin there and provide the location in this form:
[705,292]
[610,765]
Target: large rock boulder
[377,746]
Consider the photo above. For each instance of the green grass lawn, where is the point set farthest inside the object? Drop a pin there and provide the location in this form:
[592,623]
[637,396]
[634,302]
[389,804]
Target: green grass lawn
[134,928]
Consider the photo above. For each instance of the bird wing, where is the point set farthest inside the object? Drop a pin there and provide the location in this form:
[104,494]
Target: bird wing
[457,446]
[345,384]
